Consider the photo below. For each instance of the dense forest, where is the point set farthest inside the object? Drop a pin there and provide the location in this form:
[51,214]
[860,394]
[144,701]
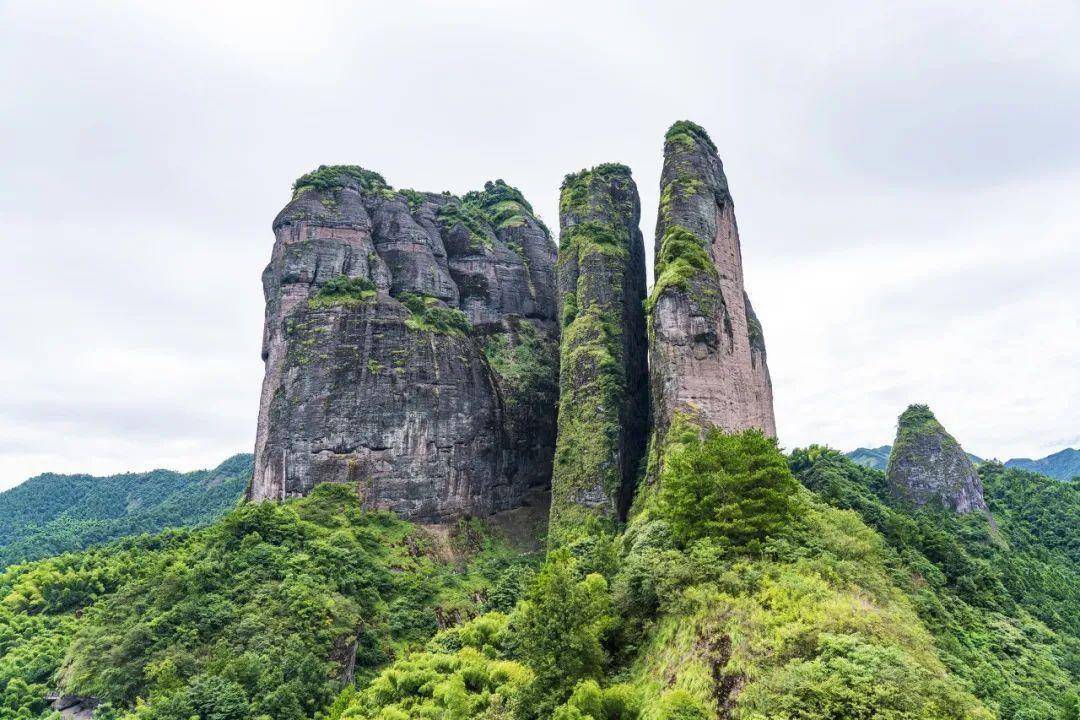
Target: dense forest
[50,514]
[746,584]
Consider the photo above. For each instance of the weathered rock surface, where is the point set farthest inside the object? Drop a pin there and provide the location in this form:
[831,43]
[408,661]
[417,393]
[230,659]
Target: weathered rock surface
[603,381]
[410,347]
[927,465]
[707,349]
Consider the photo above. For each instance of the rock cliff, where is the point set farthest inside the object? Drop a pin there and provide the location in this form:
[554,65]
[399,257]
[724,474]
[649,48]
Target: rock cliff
[603,381]
[707,349]
[927,465]
[410,347]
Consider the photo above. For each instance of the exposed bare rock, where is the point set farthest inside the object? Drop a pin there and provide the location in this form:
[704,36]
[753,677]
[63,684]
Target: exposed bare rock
[603,383]
[707,349]
[927,465]
[410,347]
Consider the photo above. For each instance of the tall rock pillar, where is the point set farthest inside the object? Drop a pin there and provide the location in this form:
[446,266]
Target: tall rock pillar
[707,350]
[603,380]
[410,347]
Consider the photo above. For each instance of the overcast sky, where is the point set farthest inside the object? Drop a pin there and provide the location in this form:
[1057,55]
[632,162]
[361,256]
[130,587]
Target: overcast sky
[906,179]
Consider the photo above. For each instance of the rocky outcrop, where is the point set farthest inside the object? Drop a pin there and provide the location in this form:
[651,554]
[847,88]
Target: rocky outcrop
[410,347]
[603,380]
[927,465]
[707,349]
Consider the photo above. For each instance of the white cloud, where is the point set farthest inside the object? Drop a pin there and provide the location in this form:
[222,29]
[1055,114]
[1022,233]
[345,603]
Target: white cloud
[905,180]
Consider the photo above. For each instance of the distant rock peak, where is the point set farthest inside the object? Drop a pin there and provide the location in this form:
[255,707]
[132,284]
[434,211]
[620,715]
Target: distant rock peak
[927,465]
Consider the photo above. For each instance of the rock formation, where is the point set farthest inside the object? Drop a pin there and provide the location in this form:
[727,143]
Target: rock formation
[707,350]
[410,347]
[927,465]
[603,380]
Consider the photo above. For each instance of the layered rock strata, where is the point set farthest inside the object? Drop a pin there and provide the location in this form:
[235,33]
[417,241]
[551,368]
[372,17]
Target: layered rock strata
[928,466]
[603,380]
[410,347]
[707,350]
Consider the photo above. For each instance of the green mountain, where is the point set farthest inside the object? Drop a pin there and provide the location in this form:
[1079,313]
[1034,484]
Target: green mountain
[1062,465]
[744,585]
[50,514]
[876,458]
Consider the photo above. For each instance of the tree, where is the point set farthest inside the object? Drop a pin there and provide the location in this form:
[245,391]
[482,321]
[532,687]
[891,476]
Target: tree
[561,626]
[734,487]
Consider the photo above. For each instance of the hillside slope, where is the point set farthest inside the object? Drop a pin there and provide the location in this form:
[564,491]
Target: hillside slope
[1002,604]
[50,513]
[734,593]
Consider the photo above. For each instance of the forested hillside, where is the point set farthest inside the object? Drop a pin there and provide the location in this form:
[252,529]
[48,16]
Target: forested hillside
[51,514]
[734,591]
[1001,598]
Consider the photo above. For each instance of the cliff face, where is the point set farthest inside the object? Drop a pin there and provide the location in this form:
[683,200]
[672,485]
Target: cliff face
[928,465]
[410,347]
[603,382]
[707,351]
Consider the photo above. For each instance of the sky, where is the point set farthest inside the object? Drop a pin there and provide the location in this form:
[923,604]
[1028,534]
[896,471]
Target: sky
[906,180]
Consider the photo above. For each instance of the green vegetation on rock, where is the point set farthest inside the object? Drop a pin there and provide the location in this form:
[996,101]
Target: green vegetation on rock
[431,315]
[329,177]
[598,213]
[468,216]
[682,259]
[485,212]
[501,204]
[525,361]
[687,134]
[342,290]
[576,195]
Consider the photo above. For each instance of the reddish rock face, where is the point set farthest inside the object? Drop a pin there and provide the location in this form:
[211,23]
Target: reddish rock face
[707,350]
[410,348]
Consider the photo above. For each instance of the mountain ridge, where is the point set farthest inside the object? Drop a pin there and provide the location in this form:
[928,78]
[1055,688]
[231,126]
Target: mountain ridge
[1062,465]
[53,513]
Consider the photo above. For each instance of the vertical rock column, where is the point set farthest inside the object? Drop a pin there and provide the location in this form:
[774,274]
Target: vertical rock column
[603,380]
[707,350]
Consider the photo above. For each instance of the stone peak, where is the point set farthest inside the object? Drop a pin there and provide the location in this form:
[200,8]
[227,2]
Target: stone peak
[684,131]
[603,171]
[327,177]
[928,464]
[916,415]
